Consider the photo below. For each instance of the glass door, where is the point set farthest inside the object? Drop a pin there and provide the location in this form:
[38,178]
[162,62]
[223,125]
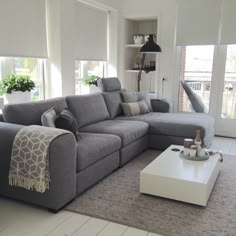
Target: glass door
[208,84]
[195,78]
[226,104]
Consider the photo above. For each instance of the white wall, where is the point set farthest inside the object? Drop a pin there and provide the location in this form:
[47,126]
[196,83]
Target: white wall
[61,62]
[165,10]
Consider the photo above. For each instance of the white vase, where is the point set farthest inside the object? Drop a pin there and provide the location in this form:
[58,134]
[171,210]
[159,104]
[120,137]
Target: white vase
[1,102]
[93,89]
[18,97]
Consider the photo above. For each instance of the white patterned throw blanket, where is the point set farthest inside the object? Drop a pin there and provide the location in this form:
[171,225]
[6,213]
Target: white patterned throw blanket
[29,167]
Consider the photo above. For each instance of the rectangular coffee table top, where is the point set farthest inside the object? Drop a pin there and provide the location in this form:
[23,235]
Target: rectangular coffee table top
[170,165]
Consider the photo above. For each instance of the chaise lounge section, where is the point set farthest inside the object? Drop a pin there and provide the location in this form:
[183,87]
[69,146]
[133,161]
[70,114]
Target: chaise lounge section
[107,140]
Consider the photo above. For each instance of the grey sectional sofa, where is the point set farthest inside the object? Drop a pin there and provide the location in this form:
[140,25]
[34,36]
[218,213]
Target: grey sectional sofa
[107,140]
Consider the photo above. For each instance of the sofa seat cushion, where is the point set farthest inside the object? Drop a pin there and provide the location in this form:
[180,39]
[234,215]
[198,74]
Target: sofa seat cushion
[128,131]
[93,147]
[176,124]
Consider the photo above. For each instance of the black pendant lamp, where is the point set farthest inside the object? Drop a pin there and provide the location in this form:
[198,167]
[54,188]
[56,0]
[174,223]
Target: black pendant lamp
[149,47]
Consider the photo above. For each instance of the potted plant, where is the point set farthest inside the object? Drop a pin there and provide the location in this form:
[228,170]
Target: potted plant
[91,81]
[16,88]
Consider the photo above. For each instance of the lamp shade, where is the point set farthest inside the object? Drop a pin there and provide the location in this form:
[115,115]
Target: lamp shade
[150,46]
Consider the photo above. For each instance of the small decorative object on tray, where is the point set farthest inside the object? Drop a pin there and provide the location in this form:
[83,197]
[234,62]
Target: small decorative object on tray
[194,149]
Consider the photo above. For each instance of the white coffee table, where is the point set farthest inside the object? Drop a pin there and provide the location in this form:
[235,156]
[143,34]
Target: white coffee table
[173,177]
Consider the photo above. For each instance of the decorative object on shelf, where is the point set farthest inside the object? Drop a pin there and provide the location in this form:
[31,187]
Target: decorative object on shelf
[91,81]
[16,88]
[1,103]
[152,65]
[138,39]
[149,47]
[137,62]
[146,37]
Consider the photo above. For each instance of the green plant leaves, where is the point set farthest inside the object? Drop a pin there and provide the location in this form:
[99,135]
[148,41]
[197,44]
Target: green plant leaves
[91,80]
[15,82]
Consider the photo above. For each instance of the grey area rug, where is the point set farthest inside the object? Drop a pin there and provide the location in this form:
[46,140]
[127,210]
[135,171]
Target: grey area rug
[117,199]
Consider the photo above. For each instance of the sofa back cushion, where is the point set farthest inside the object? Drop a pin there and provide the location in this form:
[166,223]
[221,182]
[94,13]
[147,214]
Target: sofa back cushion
[113,101]
[30,113]
[110,84]
[88,109]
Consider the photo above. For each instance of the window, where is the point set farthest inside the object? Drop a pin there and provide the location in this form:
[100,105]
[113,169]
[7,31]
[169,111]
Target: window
[229,93]
[84,69]
[196,72]
[32,67]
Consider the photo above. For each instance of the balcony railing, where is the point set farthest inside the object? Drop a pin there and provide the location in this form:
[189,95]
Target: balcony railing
[201,84]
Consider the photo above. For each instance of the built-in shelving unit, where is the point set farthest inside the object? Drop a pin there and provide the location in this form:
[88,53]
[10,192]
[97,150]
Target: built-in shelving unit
[132,57]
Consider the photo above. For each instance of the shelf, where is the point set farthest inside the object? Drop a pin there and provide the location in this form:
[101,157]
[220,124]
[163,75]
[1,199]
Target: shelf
[136,71]
[134,45]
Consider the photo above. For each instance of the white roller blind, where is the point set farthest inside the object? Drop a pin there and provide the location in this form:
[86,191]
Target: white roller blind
[198,22]
[228,32]
[90,33]
[23,28]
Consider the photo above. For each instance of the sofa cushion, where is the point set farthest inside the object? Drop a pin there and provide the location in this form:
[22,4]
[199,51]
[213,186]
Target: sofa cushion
[48,118]
[30,113]
[135,108]
[137,96]
[88,109]
[113,101]
[67,121]
[128,131]
[94,147]
[109,84]
[176,124]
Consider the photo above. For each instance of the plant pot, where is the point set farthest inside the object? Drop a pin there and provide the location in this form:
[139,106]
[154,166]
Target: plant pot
[93,89]
[1,103]
[18,97]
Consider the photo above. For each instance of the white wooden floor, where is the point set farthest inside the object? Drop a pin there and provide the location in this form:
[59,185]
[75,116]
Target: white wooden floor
[226,145]
[17,219]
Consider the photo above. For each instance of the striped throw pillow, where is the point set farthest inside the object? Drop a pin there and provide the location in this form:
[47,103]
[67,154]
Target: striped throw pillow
[135,108]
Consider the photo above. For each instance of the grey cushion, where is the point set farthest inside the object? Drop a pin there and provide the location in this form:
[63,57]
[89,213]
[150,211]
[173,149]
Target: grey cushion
[160,105]
[128,131]
[48,118]
[30,113]
[109,84]
[113,101]
[176,124]
[134,108]
[137,96]
[94,147]
[88,109]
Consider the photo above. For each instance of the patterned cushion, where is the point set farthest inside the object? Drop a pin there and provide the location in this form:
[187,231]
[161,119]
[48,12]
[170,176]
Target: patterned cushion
[135,108]
[48,118]
[137,96]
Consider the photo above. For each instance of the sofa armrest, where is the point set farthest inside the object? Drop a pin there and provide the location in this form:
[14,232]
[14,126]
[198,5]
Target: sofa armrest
[159,105]
[62,164]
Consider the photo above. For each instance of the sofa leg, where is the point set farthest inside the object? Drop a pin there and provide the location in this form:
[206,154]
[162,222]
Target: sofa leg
[61,208]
